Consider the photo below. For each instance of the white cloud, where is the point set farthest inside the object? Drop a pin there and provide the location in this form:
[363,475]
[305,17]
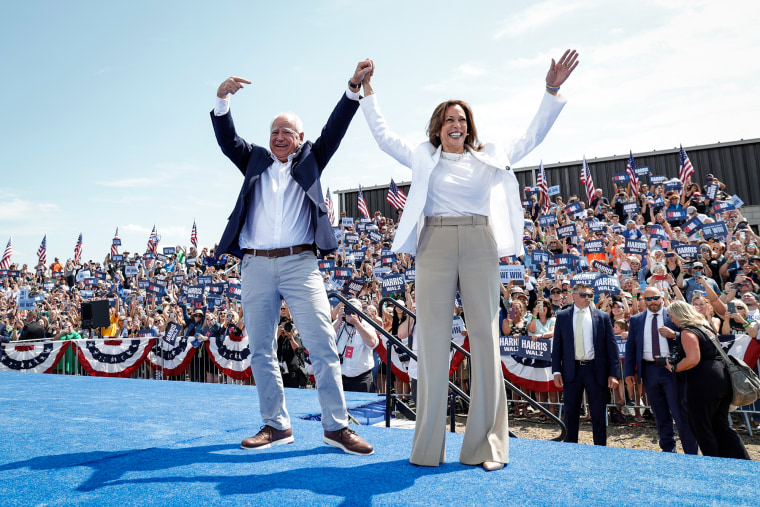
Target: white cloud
[131,182]
[534,17]
[472,70]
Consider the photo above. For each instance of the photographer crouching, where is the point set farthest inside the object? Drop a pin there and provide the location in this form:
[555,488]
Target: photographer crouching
[356,341]
[290,352]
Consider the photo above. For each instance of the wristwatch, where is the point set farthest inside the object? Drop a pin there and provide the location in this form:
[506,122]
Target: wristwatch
[354,86]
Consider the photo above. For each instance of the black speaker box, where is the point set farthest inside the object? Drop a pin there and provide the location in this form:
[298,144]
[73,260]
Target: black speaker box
[95,314]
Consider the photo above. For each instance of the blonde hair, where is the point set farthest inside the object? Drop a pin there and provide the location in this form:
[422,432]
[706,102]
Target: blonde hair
[686,315]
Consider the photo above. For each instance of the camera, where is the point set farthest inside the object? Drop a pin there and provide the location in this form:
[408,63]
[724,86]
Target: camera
[674,358]
[288,324]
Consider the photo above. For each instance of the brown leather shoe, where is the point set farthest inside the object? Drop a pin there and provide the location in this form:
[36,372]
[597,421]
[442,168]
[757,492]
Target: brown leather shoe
[349,441]
[268,437]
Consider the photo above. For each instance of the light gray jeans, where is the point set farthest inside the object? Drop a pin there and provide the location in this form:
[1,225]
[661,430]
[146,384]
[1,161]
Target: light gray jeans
[297,279]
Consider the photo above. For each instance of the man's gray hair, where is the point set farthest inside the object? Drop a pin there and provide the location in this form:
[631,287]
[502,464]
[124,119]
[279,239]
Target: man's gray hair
[292,116]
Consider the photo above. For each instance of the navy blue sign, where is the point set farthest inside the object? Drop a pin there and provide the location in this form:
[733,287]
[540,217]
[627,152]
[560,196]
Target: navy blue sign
[657,180]
[361,227]
[375,237]
[148,256]
[539,256]
[156,289]
[526,203]
[674,215]
[524,346]
[353,287]
[218,288]
[563,260]
[410,274]
[604,268]
[621,179]
[691,225]
[597,226]
[116,241]
[177,279]
[341,274]
[393,283]
[572,209]
[213,301]
[673,185]
[191,261]
[606,284]
[715,230]
[687,251]
[144,333]
[711,191]
[631,208]
[388,259]
[658,202]
[235,291]
[117,258]
[352,239]
[326,265]
[594,246]
[359,255]
[567,231]
[173,331]
[642,171]
[509,346]
[205,280]
[721,206]
[621,346]
[657,232]
[635,246]
[161,257]
[547,220]
[169,250]
[588,278]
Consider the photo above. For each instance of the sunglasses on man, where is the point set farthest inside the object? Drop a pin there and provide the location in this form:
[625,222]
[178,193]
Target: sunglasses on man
[585,294]
[652,298]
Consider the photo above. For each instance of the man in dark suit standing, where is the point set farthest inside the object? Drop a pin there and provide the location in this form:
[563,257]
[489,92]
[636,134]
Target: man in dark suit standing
[584,357]
[279,222]
[659,383]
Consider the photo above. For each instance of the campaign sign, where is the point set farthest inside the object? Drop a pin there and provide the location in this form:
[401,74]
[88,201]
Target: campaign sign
[48,286]
[566,231]
[161,257]
[337,233]
[587,277]
[526,203]
[721,206]
[81,275]
[715,230]
[657,180]
[547,220]
[326,265]
[674,215]
[642,171]
[572,209]
[130,270]
[410,274]
[597,226]
[606,284]
[563,260]
[594,246]
[691,225]
[636,246]
[144,333]
[99,275]
[388,259]
[218,288]
[173,331]
[687,251]
[659,202]
[380,271]
[87,294]
[341,274]
[539,256]
[539,349]
[511,272]
[191,261]
[551,271]
[205,280]
[621,346]
[711,191]
[169,250]
[375,237]
[116,242]
[117,258]
[347,221]
[213,301]
[28,303]
[156,289]
[90,281]
[620,179]
[393,283]
[509,345]
[631,208]
[353,287]
[738,203]
[604,268]
[673,185]
[352,239]
[148,256]
[361,227]
[553,190]
[235,291]
[143,284]
[657,232]
[177,279]
[359,256]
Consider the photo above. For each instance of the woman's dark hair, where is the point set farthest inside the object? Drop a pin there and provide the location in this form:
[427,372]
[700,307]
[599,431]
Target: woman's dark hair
[396,321]
[439,116]
[548,306]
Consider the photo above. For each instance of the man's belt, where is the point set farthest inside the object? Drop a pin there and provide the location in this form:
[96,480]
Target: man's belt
[279,252]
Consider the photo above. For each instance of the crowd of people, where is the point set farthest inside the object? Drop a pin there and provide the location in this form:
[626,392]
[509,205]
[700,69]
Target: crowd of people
[720,282]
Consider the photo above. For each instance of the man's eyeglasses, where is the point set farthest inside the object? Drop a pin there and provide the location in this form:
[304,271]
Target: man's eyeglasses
[585,294]
[652,298]
[556,292]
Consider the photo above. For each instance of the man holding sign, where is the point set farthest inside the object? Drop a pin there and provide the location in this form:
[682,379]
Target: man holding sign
[279,221]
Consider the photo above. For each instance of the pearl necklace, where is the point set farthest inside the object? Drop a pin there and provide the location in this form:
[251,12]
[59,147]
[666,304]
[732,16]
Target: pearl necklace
[453,159]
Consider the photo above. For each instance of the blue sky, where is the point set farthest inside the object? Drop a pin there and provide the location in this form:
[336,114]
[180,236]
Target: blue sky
[105,104]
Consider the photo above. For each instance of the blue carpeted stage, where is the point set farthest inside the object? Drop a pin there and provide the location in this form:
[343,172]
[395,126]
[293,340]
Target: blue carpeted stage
[100,441]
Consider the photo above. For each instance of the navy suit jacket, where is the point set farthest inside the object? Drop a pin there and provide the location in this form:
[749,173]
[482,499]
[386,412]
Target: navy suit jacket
[4,335]
[605,347]
[634,346]
[307,166]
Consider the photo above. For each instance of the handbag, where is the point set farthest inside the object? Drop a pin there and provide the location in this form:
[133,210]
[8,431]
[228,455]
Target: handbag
[744,381]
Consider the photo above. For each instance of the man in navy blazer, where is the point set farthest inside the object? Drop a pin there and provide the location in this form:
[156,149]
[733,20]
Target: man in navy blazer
[279,223]
[584,357]
[659,383]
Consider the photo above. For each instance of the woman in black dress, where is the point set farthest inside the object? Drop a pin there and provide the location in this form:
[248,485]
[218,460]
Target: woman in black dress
[708,386]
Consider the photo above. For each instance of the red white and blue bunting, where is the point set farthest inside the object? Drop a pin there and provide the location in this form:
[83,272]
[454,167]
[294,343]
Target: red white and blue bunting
[231,355]
[32,357]
[172,359]
[398,367]
[113,357]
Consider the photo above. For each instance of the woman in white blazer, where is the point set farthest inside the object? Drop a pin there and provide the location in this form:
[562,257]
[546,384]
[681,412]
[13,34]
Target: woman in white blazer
[462,214]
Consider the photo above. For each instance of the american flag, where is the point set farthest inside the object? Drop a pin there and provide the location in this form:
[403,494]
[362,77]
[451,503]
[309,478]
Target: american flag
[5,262]
[686,168]
[363,204]
[153,240]
[631,170]
[543,189]
[587,181]
[194,235]
[330,209]
[42,250]
[114,246]
[78,250]
[396,197]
